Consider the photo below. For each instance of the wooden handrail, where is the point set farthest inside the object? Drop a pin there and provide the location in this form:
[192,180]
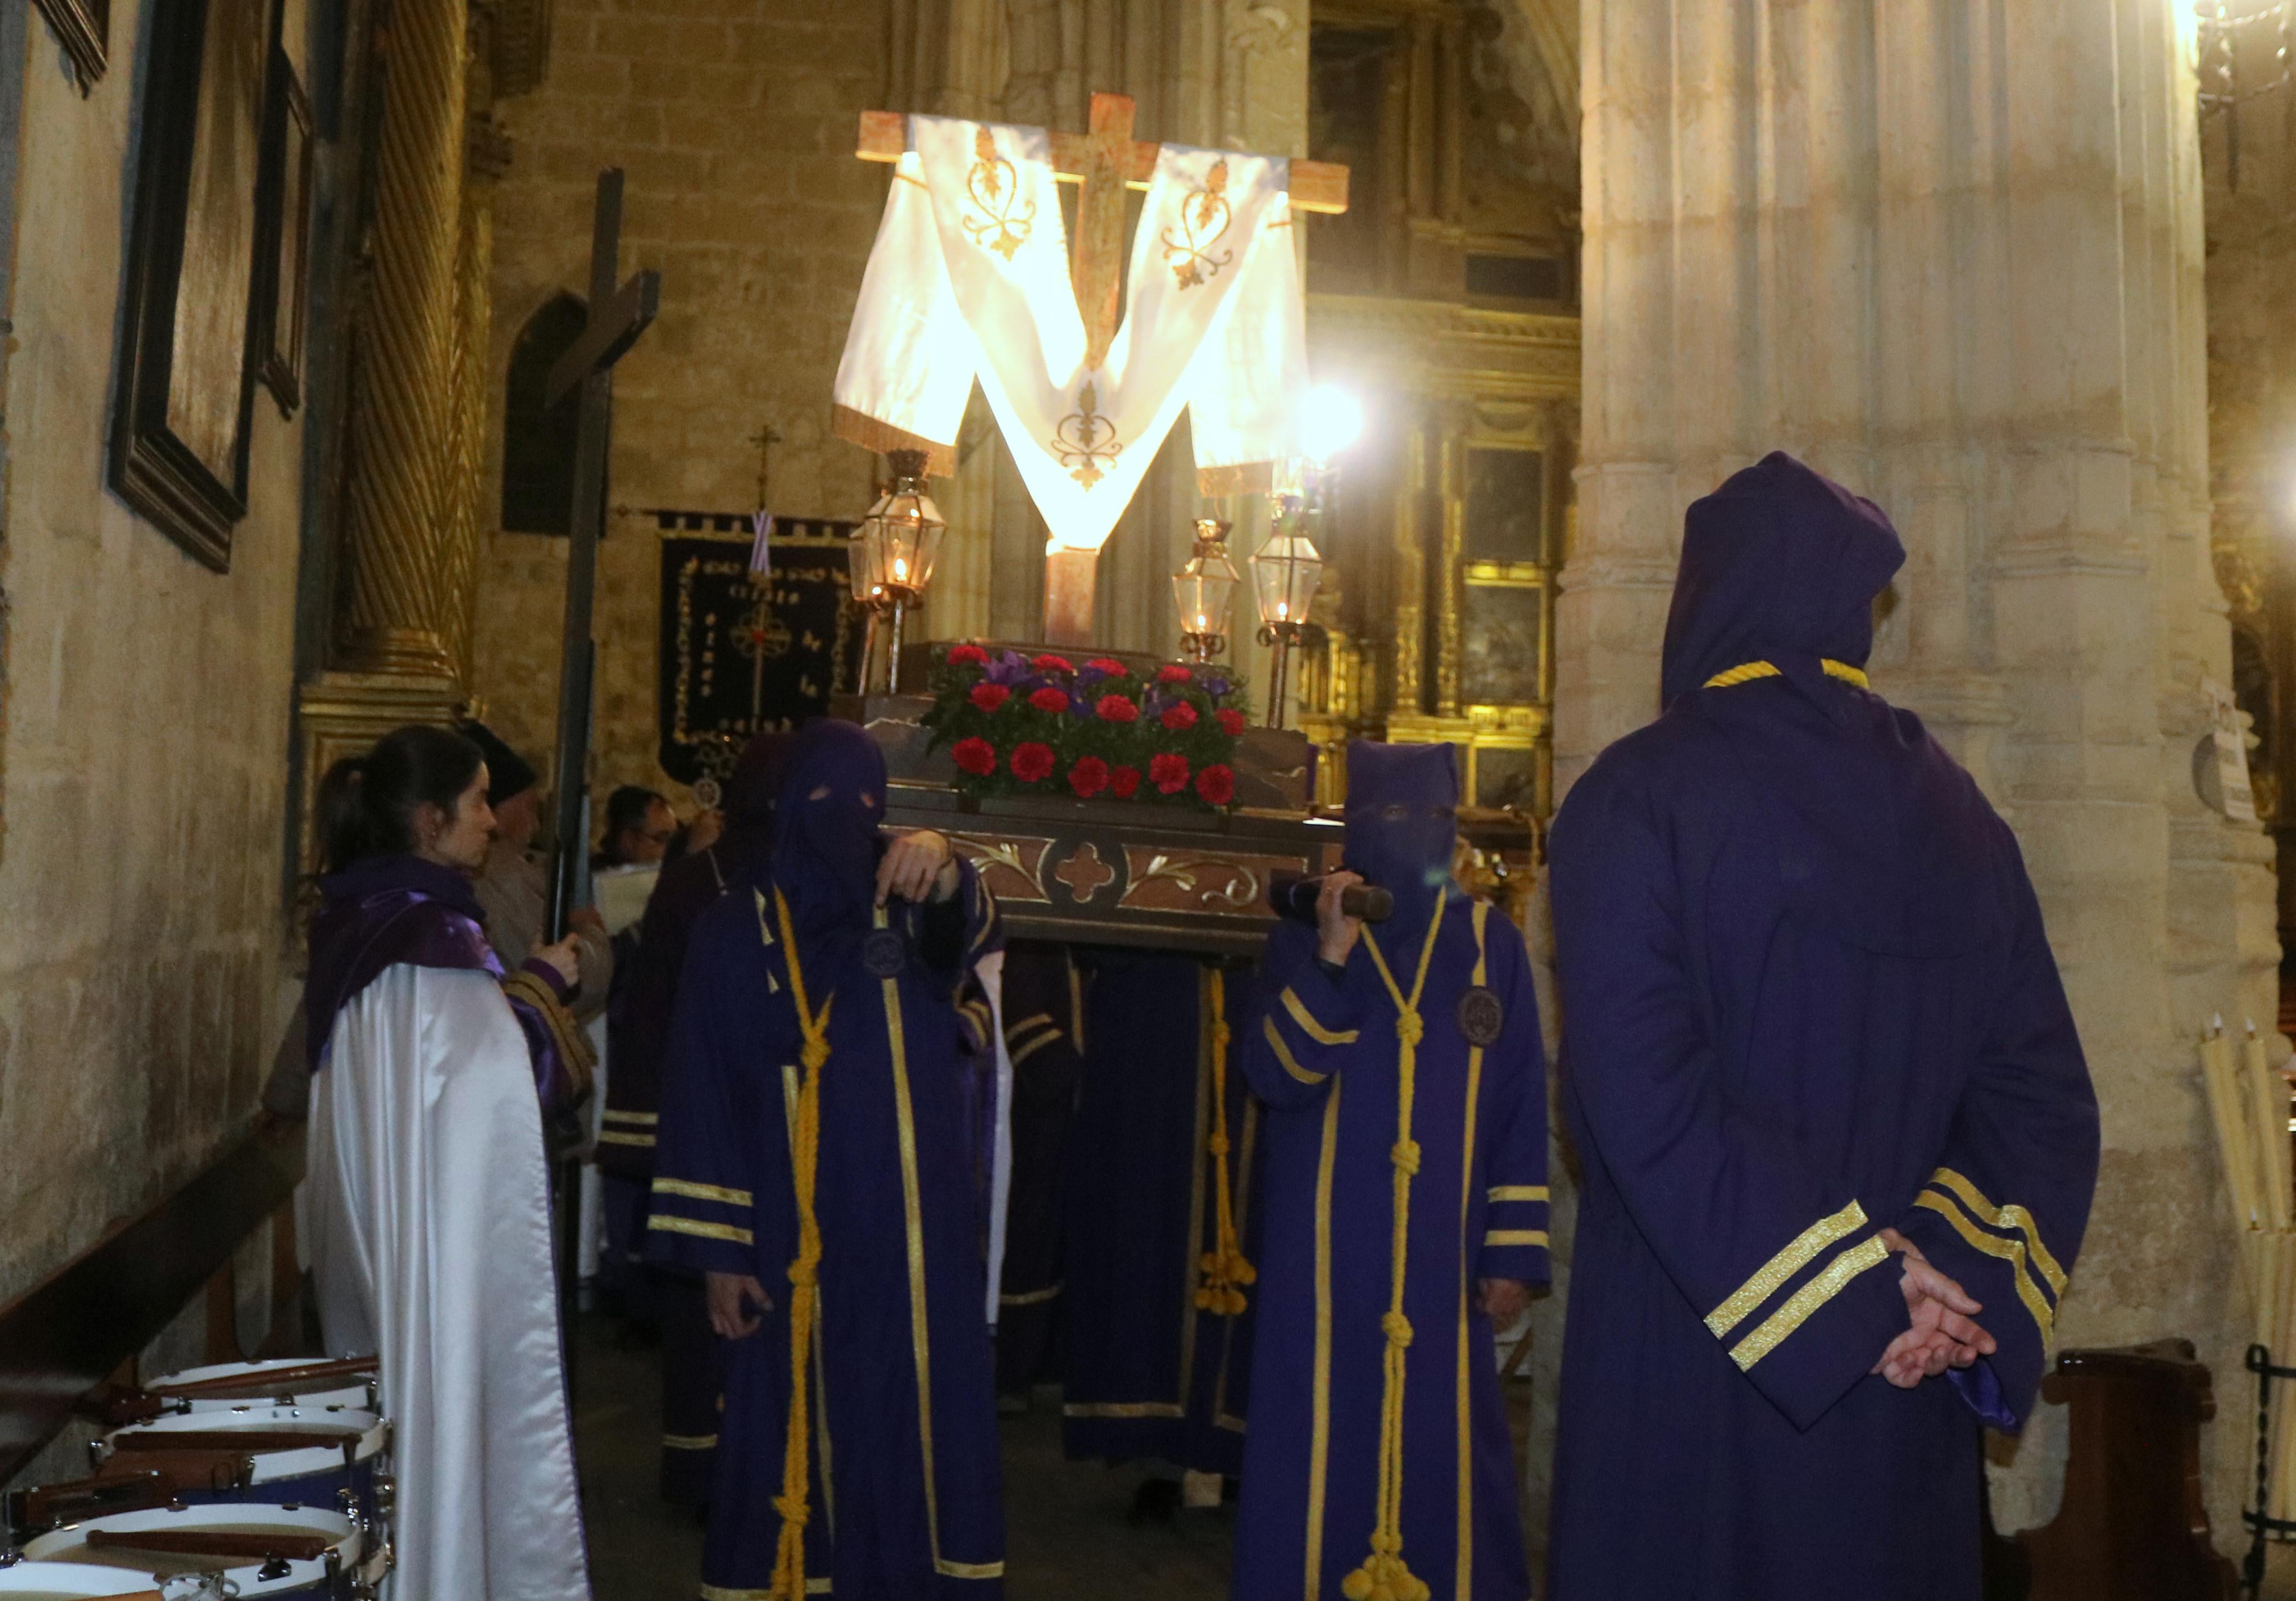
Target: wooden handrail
[64,1337]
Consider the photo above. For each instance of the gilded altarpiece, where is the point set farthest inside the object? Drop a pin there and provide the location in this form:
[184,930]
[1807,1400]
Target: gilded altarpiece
[1439,606]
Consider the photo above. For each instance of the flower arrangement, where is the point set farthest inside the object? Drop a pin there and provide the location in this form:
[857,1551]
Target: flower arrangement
[1041,725]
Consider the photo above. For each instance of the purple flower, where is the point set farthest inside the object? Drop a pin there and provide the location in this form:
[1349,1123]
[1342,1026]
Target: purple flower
[1010,669]
[1215,685]
[1080,704]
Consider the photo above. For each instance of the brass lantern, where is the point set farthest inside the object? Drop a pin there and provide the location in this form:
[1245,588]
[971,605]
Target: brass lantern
[1285,573]
[890,557]
[1204,591]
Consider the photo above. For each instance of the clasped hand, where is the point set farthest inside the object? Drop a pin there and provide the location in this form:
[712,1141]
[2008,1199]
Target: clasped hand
[1942,1335]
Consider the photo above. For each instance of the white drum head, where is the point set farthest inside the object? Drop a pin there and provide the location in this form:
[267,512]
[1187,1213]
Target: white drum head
[69,1546]
[342,1392]
[68,1581]
[325,1425]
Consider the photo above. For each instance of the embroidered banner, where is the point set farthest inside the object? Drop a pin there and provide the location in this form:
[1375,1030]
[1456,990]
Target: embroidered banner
[970,278]
[734,661]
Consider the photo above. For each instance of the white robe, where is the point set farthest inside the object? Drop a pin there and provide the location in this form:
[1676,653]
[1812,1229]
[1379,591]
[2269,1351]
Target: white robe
[428,1198]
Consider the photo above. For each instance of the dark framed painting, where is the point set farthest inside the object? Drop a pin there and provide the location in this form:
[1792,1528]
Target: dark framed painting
[184,391]
[84,28]
[282,293]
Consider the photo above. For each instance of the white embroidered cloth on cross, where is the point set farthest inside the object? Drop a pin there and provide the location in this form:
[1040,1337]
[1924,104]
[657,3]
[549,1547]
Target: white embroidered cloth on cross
[970,278]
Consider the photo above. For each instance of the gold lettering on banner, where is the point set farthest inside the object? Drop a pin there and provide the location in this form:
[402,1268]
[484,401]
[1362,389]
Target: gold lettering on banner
[1005,219]
[1204,221]
[1086,442]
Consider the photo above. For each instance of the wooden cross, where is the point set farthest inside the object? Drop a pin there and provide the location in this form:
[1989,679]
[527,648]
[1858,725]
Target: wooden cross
[1106,161]
[617,318]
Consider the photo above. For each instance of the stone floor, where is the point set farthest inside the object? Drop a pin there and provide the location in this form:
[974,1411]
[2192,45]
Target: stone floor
[1069,1533]
[1069,1529]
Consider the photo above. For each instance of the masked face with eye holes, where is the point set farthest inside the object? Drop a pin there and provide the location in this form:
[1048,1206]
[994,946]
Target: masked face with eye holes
[1402,816]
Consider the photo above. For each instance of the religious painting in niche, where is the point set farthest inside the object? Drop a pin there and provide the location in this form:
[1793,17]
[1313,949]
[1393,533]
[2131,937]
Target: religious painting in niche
[734,661]
[180,423]
[84,28]
[539,438]
[282,293]
[1506,776]
[1499,664]
[1506,512]
[1348,71]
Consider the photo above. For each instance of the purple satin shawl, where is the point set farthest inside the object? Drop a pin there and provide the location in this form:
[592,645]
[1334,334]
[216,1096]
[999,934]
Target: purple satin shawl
[381,911]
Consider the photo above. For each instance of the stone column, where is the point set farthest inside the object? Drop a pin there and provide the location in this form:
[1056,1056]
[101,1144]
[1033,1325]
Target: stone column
[1948,252]
[395,618]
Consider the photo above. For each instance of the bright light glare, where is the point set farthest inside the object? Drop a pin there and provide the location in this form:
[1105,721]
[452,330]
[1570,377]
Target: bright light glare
[1331,418]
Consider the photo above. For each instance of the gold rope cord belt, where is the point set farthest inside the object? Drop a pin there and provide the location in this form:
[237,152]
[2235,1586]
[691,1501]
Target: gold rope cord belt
[1383,1577]
[1747,672]
[789,1560]
[1225,1269]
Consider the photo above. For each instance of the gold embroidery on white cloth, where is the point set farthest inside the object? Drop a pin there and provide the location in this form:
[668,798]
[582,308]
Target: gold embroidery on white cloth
[1204,221]
[1007,220]
[1086,442]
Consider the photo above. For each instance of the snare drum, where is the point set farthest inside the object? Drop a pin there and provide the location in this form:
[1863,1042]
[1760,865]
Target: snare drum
[345,1454]
[338,1566]
[234,1386]
[70,1582]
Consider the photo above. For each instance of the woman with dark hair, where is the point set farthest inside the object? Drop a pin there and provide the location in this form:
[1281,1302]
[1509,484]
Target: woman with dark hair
[428,1192]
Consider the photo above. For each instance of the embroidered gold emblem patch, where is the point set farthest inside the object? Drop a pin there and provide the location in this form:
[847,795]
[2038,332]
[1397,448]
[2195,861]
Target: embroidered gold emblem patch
[1005,221]
[1480,1016]
[1204,221]
[1086,442]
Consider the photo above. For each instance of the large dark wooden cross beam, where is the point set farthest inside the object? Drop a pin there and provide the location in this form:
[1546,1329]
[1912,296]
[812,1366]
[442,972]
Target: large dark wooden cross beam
[617,317]
[1106,161]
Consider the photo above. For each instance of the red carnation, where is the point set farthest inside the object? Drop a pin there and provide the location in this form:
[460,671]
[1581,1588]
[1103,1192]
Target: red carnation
[1088,777]
[1049,699]
[1230,719]
[975,756]
[988,697]
[1116,709]
[1053,664]
[1167,771]
[1173,674]
[1179,719]
[1032,762]
[1123,781]
[1111,666]
[967,656]
[1217,784]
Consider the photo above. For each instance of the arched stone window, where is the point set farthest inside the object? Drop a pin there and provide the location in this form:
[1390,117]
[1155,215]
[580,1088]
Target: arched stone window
[538,438]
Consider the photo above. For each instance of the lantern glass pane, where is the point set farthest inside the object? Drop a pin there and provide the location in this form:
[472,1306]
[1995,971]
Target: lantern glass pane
[1284,576]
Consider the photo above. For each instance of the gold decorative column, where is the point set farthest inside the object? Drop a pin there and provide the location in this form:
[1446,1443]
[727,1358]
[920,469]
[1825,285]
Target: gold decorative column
[1410,613]
[1452,422]
[486,157]
[395,617]
[417,424]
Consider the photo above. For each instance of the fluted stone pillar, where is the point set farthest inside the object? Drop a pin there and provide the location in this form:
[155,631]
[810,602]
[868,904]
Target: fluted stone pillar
[1948,251]
[396,617]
